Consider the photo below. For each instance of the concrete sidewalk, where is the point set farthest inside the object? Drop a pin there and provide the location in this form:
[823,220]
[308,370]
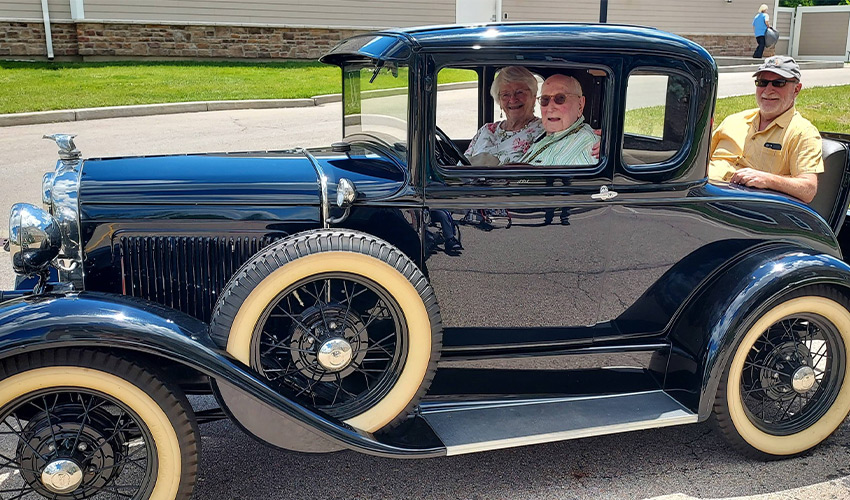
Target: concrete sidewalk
[734,79]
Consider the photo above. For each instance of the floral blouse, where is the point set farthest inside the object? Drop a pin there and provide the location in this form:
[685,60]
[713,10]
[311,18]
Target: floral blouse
[506,145]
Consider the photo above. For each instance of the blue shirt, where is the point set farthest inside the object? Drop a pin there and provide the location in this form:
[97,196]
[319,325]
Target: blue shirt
[760,24]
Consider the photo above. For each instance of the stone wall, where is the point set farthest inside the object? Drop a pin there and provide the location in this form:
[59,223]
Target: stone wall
[133,41]
[23,39]
[728,45]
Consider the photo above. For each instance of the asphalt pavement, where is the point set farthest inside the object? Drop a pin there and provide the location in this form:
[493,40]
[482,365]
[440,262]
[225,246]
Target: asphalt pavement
[673,463]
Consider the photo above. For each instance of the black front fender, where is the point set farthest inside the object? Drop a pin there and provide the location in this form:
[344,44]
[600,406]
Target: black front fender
[105,321]
[705,334]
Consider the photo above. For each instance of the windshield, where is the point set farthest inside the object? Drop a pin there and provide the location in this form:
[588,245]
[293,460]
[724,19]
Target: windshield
[375,101]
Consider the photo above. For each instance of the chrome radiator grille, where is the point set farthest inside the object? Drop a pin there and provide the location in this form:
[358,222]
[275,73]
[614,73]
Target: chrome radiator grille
[185,273]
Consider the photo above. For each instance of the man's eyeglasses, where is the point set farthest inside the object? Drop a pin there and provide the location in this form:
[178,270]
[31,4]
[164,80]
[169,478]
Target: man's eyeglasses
[519,94]
[760,82]
[558,98]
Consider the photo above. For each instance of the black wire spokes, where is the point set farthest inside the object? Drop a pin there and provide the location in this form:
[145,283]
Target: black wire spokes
[91,431]
[333,341]
[792,374]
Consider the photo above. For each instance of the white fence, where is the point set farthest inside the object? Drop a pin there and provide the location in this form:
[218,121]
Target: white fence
[814,33]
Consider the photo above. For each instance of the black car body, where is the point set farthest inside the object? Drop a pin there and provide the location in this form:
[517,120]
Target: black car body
[312,292]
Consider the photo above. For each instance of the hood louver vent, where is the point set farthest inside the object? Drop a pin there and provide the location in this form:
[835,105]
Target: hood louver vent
[184,273]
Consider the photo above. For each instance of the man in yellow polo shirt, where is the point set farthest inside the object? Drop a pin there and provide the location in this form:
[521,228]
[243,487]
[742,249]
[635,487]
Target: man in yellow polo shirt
[772,147]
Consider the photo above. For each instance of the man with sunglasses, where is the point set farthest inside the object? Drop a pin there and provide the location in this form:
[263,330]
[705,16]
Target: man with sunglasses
[772,147]
[568,139]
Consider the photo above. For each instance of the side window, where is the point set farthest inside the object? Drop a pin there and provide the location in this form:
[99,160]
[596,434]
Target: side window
[519,131]
[657,116]
[457,103]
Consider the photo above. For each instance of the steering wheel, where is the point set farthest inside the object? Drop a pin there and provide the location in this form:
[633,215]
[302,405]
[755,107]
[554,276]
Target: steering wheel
[447,151]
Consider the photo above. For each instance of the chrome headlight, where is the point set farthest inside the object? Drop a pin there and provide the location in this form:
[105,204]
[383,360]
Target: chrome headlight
[34,238]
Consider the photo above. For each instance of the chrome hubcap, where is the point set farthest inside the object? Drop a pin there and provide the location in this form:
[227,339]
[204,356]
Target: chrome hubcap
[62,476]
[803,379]
[334,354]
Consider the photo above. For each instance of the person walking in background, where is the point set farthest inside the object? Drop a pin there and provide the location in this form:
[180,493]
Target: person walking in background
[760,24]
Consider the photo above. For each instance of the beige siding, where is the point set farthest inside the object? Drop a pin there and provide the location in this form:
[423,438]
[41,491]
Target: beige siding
[60,10]
[678,16]
[823,33]
[360,13]
[583,11]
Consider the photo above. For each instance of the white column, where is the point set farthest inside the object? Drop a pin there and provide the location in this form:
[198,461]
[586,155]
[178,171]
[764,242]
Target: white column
[48,35]
[78,12]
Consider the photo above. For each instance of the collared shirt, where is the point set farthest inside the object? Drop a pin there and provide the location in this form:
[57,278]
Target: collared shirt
[789,146]
[568,147]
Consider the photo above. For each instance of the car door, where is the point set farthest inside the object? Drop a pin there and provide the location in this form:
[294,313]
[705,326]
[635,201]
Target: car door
[662,236]
[533,241]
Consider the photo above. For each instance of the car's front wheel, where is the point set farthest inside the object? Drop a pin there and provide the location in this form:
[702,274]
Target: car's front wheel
[338,321]
[786,387]
[81,424]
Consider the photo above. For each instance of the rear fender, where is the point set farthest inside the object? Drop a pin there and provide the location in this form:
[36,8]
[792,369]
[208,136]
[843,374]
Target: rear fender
[113,322]
[711,325]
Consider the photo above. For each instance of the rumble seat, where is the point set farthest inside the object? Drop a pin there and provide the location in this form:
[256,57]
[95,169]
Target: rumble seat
[829,182]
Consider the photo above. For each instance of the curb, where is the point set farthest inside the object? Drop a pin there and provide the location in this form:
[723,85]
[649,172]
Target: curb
[72,115]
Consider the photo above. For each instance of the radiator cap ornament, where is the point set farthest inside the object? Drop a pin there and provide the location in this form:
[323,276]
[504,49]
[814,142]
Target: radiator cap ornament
[67,149]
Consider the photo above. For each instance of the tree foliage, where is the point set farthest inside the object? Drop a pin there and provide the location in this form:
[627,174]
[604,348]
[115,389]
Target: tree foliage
[811,3]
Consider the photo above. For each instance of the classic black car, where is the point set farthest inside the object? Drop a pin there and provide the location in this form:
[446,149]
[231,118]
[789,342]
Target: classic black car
[311,293]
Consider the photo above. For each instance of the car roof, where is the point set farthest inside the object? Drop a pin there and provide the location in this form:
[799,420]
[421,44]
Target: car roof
[398,44]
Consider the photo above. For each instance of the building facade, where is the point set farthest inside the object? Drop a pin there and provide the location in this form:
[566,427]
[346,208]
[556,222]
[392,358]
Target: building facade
[289,29]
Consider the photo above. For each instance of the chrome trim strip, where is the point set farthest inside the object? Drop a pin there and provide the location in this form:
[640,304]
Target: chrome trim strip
[323,187]
[66,210]
[674,418]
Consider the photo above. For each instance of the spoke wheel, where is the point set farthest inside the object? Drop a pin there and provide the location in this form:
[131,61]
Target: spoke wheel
[334,341]
[337,320]
[78,429]
[792,374]
[786,387]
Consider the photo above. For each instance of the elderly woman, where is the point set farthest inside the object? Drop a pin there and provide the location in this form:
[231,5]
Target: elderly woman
[515,89]
[760,25]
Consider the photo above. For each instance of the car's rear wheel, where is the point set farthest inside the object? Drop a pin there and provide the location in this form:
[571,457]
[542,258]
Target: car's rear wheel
[786,387]
[81,424]
[337,320]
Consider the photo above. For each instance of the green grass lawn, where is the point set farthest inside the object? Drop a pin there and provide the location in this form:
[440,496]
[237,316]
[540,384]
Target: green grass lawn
[28,86]
[41,86]
[828,108]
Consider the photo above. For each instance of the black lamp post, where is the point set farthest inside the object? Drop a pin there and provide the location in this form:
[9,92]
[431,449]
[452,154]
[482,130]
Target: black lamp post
[603,11]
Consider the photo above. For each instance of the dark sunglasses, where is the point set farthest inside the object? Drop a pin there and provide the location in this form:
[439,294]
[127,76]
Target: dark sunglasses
[558,98]
[760,82]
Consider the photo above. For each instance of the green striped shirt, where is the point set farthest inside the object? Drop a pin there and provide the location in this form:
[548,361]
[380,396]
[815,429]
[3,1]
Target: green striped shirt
[567,147]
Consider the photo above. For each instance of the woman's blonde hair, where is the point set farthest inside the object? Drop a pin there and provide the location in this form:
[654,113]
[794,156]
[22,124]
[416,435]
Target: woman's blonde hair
[513,74]
[763,8]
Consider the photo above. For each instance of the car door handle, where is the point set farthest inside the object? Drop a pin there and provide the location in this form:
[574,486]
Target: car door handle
[604,194]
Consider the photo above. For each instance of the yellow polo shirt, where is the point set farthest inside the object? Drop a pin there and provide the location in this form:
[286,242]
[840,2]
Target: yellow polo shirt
[789,146]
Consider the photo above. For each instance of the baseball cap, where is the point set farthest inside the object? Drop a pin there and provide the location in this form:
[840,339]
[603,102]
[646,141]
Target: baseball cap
[781,65]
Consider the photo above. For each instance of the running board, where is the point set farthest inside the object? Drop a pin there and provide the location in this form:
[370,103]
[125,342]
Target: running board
[491,425]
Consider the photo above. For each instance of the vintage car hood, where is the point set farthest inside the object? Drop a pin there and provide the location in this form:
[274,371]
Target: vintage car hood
[269,178]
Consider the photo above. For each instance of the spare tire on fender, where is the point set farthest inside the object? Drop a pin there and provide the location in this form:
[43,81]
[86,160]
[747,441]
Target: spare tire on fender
[337,320]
